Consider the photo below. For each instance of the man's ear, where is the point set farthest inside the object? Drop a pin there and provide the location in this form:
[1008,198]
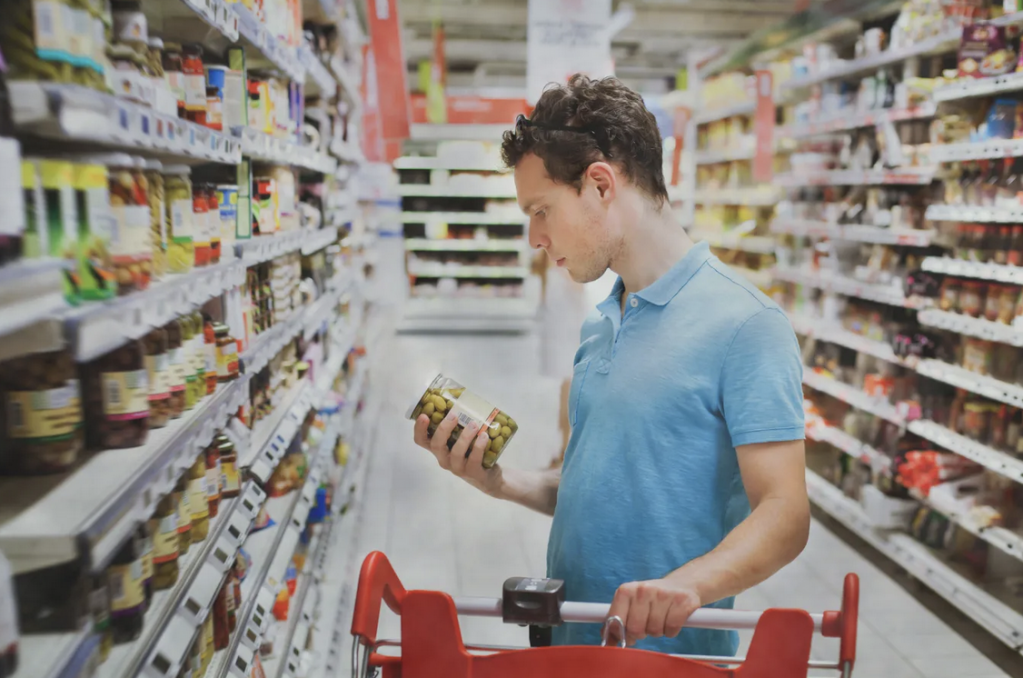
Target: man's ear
[602,176]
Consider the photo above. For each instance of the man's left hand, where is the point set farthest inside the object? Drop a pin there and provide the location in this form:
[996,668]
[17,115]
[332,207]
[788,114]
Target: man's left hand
[654,608]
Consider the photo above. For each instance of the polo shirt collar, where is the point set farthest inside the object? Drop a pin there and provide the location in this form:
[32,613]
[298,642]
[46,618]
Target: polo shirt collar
[668,285]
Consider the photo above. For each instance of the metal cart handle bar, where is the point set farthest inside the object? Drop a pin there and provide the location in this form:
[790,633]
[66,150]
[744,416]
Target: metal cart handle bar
[432,643]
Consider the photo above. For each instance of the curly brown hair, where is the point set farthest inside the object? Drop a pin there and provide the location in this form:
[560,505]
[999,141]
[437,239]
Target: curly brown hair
[585,121]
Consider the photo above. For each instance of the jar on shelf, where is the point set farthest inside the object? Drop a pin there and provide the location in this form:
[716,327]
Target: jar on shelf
[115,393]
[231,484]
[210,341]
[971,299]
[97,279]
[143,233]
[213,222]
[200,215]
[227,202]
[198,493]
[173,73]
[213,478]
[145,536]
[188,348]
[127,596]
[176,373]
[180,218]
[227,353]
[155,344]
[99,604]
[202,357]
[194,77]
[156,194]
[221,630]
[129,242]
[41,424]
[183,502]
[164,527]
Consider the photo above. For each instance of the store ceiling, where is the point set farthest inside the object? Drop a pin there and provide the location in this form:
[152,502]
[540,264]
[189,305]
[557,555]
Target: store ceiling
[486,39]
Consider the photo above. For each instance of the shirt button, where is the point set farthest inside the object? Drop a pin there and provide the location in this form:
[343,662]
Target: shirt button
[634,302]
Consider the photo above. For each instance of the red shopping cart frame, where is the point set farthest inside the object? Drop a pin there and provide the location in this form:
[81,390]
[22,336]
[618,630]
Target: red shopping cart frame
[432,647]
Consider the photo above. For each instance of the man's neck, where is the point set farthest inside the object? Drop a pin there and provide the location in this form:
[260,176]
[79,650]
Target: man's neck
[653,244]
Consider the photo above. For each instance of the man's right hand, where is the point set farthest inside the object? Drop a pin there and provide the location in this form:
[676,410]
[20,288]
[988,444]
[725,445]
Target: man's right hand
[466,464]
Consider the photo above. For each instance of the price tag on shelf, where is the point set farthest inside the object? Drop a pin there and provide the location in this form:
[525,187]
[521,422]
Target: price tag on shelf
[241,665]
[171,650]
[199,599]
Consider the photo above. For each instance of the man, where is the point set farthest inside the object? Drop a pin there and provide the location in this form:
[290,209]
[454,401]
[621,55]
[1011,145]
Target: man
[686,397]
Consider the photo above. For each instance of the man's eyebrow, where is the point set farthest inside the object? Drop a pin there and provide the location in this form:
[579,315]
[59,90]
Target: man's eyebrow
[529,208]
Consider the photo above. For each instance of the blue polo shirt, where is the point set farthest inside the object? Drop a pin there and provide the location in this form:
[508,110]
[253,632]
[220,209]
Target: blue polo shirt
[701,362]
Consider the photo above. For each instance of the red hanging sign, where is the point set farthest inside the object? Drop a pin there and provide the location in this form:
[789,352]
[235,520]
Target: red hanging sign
[372,135]
[392,87]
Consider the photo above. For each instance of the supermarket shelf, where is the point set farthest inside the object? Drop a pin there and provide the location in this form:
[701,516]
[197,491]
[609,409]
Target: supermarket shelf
[319,238]
[471,245]
[272,436]
[973,327]
[994,148]
[453,132]
[855,397]
[851,121]
[729,155]
[445,314]
[838,70]
[257,34]
[744,108]
[883,294]
[433,163]
[968,88]
[56,655]
[216,14]
[967,213]
[98,327]
[907,177]
[349,86]
[347,151]
[851,445]
[836,334]
[170,620]
[80,114]
[323,81]
[869,234]
[260,146]
[31,291]
[981,384]
[260,248]
[476,218]
[753,197]
[1006,540]
[464,271]
[974,269]
[988,457]
[318,315]
[430,191]
[94,507]
[734,241]
[918,560]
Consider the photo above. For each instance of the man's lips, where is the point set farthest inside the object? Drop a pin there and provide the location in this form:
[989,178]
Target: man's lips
[560,262]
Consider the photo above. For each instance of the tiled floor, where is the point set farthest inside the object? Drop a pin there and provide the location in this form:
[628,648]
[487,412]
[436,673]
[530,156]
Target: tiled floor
[441,534]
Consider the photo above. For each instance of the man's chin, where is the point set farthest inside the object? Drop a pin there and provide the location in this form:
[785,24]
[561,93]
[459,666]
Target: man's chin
[588,276]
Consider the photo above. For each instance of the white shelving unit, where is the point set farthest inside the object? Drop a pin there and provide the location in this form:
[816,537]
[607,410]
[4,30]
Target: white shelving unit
[808,228]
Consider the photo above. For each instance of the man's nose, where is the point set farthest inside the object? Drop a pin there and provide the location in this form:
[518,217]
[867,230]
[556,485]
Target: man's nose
[537,238]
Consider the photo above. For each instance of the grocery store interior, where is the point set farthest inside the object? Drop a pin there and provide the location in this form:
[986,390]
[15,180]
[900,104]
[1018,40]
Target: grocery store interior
[239,239]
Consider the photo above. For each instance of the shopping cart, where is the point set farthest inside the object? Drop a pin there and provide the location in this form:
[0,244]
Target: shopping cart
[431,644]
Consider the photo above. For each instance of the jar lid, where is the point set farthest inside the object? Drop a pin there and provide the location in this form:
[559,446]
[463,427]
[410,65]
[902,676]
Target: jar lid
[154,165]
[179,170]
[156,43]
[226,448]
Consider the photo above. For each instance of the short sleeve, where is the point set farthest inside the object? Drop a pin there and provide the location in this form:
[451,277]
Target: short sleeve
[762,381]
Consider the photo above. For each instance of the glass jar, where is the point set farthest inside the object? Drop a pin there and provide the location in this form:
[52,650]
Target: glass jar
[99,604]
[173,73]
[210,339]
[157,369]
[164,527]
[194,78]
[179,203]
[213,478]
[187,349]
[41,425]
[183,501]
[971,300]
[127,596]
[176,374]
[157,216]
[231,484]
[201,357]
[130,236]
[200,214]
[444,394]
[992,301]
[143,231]
[213,222]
[1007,304]
[221,631]
[949,299]
[227,353]
[198,493]
[145,536]
[227,201]
[115,394]
[97,279]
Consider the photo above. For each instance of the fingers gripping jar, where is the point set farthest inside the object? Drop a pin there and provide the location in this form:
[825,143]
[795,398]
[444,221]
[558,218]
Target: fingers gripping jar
[445,395]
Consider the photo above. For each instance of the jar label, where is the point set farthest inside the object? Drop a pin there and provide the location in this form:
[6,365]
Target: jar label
[44,416]
[211,358]
[125,395]
[166,540]
[49,30]
[182,222]
[199,355]
[176,83]
[147,558]
[213,483]
[159,376]
[229,478]
[141,233]
[126,592]
[199,498]
[185,512]
[176,366]
[195,92]
[470,408]
[99,604]
[227,360]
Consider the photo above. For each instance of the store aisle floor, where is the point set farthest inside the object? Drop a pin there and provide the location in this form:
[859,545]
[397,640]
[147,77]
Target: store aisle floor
[442,534]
